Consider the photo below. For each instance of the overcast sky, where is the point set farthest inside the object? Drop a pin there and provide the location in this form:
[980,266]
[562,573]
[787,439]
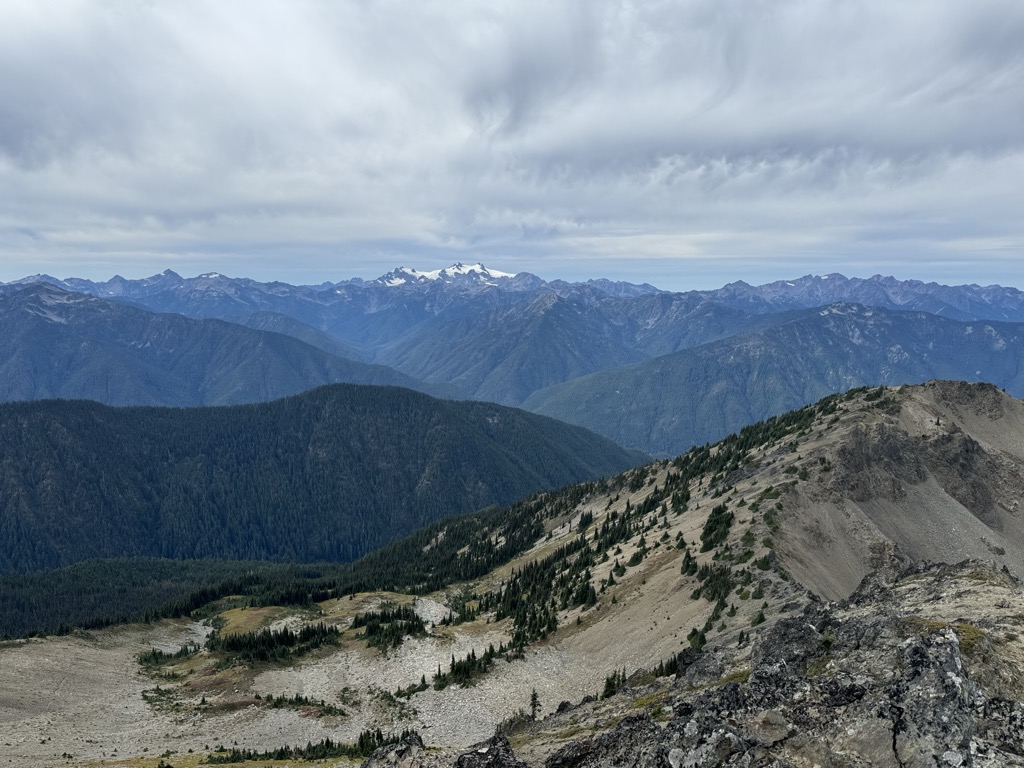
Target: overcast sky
[686,144]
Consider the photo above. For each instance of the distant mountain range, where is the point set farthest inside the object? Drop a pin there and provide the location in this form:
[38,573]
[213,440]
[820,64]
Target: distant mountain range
[695,364]
[325,475]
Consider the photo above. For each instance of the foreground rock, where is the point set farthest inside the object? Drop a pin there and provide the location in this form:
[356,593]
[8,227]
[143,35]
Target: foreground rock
[410,752]
[917,673]
[496,753]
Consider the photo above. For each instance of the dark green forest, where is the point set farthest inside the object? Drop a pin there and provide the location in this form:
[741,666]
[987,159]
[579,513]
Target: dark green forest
[324,476]
[443,553]
[102,592]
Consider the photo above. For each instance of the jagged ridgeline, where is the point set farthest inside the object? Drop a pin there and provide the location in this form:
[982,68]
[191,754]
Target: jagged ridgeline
[324,476]
[443,553]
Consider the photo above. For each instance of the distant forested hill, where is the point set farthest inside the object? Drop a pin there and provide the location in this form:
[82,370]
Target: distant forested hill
[699,395]
[55,343]
[326,475]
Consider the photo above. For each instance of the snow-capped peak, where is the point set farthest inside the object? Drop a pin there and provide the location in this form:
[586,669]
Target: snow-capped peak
[475,272]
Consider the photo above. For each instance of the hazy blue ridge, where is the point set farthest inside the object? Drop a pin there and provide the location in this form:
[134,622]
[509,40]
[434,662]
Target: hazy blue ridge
[669,403]
[60,344]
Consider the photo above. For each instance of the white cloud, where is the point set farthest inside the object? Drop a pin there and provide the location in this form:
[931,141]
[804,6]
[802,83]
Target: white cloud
[312,140]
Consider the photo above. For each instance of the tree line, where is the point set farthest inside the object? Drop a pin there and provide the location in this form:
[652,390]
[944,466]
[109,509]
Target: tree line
[442,553]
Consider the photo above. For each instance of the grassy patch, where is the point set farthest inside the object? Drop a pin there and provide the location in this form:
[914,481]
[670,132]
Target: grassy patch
[177,760]
[968,635]
[398,709]
[224,707]
[816,667]
[568,733]
[737,676]
[240,620]
[650,700]
[991,578]
[161,699]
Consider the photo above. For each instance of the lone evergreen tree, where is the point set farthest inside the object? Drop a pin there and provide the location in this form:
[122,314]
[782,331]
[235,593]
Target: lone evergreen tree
[534,704]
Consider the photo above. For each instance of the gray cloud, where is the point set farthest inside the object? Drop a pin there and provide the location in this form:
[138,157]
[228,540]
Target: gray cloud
[678,143]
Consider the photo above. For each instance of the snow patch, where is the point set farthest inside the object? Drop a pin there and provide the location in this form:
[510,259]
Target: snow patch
[407,275]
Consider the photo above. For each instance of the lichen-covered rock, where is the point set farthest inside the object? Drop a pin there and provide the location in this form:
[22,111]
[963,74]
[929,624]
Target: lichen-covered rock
[639,742]
[635,741]
[496,753]
[931,702]
[789,641]
[407,753]
[709,669]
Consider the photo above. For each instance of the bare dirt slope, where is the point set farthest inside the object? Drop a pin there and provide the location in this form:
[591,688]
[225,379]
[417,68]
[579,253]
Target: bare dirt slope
[937,470]
[81,694]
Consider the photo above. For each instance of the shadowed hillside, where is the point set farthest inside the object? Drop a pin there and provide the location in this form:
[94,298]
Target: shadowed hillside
[326,475]
[670,403]
[54,343]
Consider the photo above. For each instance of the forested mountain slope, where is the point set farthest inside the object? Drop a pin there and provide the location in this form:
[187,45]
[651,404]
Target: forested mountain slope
[289,326]
[505,354]
[55,343]
[326,475]
[508,353]
[670,403]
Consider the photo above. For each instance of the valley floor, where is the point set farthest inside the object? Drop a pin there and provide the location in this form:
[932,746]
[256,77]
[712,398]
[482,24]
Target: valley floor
[85,695]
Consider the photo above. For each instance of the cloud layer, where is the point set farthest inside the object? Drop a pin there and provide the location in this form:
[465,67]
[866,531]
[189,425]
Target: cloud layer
[680,143]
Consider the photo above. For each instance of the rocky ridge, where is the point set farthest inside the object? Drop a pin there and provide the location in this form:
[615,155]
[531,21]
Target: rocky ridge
[891,677]
[917,662]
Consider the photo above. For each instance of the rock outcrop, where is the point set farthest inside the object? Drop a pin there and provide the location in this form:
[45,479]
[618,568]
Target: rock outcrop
[883,679]
[407,753]
[496,753]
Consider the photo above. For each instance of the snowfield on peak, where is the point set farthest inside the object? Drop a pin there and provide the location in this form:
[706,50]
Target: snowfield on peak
[403,275]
